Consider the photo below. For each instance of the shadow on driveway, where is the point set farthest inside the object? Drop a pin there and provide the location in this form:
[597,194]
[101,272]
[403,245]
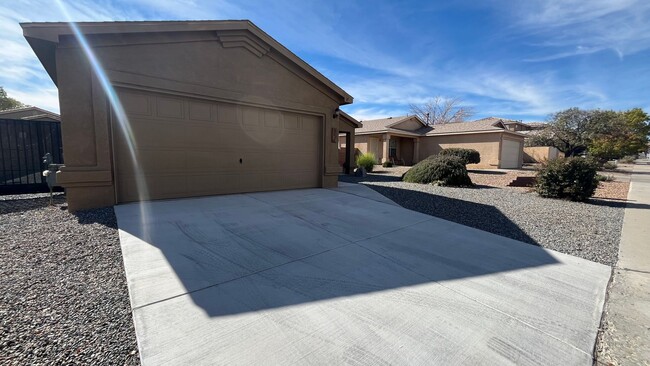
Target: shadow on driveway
[245,253]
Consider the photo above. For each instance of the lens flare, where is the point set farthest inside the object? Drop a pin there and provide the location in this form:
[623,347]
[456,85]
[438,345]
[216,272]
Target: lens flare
[119,115]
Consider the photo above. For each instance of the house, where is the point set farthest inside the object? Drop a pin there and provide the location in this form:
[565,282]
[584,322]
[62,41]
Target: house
[187,108]
[408,139]
[528,128]
[30,113]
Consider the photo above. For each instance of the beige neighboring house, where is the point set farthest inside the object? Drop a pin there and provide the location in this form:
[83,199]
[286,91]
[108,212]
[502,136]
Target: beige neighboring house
[527,128]
[212,107]
[407,140]
[30,113]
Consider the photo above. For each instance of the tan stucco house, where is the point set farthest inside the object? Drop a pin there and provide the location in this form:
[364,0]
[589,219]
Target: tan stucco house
[211,107]
[407,140]
[30,113]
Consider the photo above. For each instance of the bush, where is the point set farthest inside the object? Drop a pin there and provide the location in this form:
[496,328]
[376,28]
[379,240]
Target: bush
[367,161]
[629,159]
[387,164]
[604,178]
[443,170]
[469,156]
[609,165]
[571,178]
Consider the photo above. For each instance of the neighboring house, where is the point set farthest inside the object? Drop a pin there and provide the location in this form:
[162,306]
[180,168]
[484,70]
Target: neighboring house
[30,113]
[407,140]
[212,107]
[528,128]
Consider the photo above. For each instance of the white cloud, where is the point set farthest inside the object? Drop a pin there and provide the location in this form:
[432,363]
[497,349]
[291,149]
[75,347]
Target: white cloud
[578,27]
[364,114]
[45,97]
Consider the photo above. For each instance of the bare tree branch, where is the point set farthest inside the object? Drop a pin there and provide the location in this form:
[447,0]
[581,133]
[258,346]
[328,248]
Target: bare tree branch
[441,110]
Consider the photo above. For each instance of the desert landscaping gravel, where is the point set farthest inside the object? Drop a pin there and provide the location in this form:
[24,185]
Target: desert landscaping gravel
[588,230]
[64,294]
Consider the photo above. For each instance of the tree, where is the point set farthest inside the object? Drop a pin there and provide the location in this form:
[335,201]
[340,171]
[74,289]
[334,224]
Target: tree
[569,130]
[8,103]
[441,110]
[604,134]
[619,134]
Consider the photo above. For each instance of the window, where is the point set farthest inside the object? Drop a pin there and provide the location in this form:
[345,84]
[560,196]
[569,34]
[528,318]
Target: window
[392,148]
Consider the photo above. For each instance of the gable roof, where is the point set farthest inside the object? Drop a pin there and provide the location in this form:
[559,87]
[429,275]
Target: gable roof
[348,118]
[386,125]
[39,113]
[481,125]
[43,37]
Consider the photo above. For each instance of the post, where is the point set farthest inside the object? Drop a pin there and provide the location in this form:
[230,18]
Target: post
[385,142]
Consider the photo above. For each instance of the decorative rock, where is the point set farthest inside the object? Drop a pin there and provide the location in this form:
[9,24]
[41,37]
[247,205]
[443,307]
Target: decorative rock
[360,172]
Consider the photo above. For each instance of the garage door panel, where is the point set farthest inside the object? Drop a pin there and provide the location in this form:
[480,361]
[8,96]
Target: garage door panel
[188,147]
[150,133]
[170,108]
[149,160]
[155,187]
[200,111]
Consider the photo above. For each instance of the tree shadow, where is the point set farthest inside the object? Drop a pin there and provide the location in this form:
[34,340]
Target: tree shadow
[476,215]
[485,172]
[617,203]
[233,255]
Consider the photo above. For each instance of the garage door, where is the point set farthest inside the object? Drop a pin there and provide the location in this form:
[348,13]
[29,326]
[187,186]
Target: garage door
[188,147]
[510,152]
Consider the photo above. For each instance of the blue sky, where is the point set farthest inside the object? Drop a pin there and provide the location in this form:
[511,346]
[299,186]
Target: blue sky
[512,59]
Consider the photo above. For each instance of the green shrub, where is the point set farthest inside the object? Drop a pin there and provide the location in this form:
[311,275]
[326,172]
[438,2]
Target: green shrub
[469,156]
[571,178]
[609,165]
[387,164]
[629,159]
[604,178]
[367,161]
[440,169]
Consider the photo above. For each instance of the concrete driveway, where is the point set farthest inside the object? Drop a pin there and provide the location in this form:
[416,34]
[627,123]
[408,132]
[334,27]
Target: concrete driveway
[345,276]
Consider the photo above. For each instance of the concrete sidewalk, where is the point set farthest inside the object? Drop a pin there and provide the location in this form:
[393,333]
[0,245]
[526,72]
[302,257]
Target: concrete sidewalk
[626,337]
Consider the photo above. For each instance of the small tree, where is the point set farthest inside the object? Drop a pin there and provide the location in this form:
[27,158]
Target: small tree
[8,103]
[441,110]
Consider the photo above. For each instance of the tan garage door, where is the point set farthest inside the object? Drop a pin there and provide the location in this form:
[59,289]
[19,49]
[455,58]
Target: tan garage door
[188,147]
[510,151]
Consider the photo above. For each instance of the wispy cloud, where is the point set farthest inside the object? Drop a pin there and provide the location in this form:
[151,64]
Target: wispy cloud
[578,27]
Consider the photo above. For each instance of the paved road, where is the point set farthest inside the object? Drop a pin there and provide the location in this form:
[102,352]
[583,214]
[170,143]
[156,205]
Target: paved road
[344,276]
[626,340]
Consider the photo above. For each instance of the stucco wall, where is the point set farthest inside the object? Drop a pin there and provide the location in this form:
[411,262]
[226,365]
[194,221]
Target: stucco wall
[540,154]
[487,144]
[369,143]
[182,64]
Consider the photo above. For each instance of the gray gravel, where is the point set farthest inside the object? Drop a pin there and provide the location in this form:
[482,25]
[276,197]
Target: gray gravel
[588,230]
[62,283]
